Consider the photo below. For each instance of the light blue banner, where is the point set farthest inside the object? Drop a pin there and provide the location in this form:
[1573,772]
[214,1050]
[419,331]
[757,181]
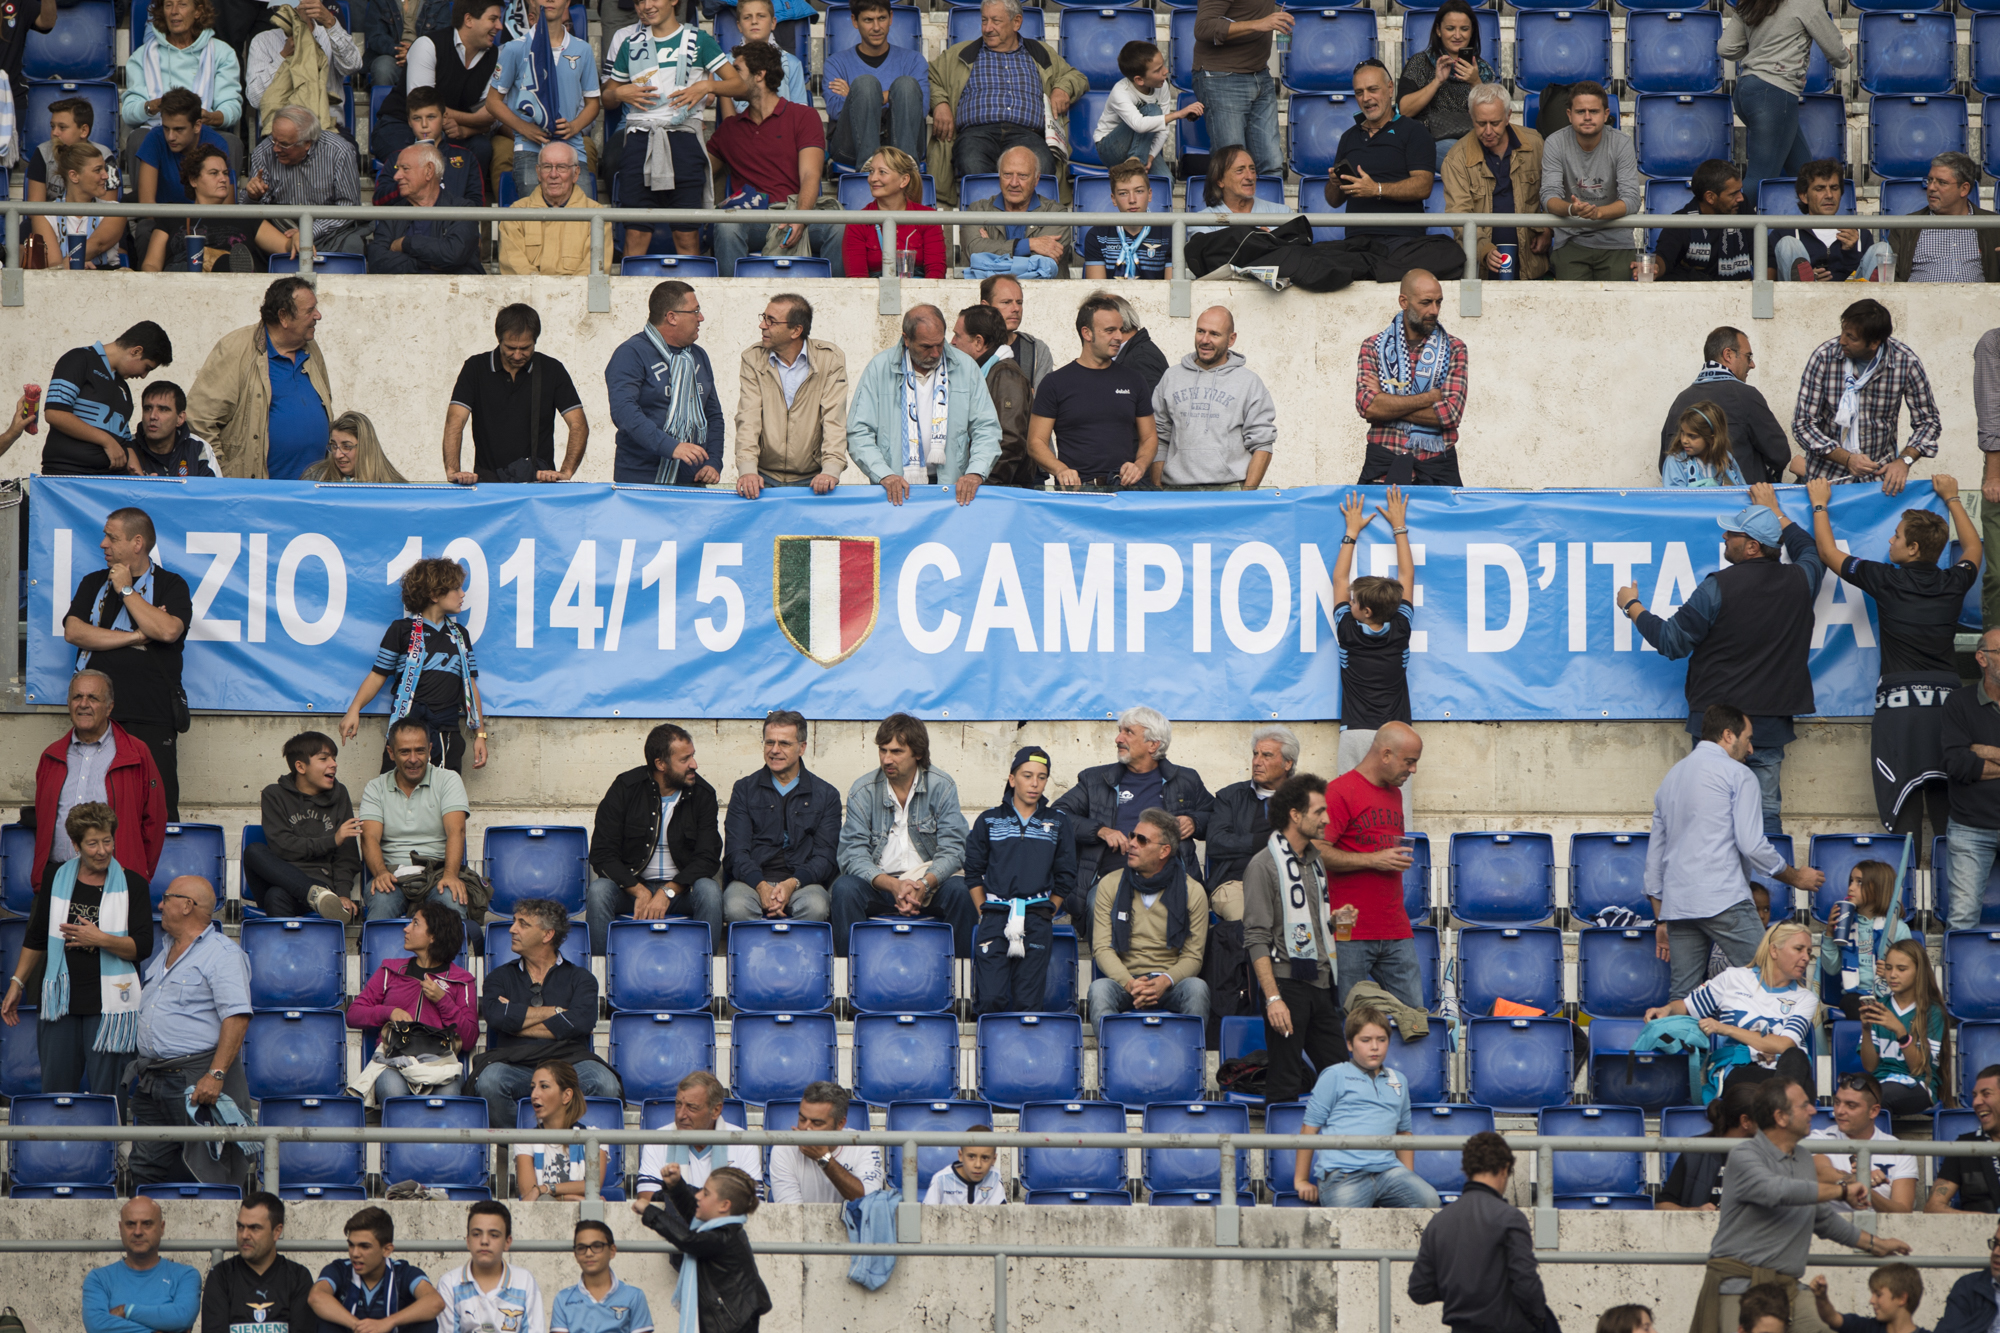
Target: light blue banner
[599,601]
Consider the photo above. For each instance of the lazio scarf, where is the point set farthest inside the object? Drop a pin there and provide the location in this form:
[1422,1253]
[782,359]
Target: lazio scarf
[686,419]
[1399,374]
[117,980]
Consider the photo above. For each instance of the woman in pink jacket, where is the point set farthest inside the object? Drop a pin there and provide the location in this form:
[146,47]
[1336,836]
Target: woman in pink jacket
[428,987]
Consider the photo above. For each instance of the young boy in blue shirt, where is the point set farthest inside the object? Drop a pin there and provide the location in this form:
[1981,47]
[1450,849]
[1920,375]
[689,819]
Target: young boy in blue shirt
[1361,1097]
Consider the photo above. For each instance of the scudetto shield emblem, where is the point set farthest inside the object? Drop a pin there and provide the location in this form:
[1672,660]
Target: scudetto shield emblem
[826,592]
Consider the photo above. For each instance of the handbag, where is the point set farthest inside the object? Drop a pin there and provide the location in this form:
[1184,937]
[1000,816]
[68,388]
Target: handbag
[419,1041]
[419,888]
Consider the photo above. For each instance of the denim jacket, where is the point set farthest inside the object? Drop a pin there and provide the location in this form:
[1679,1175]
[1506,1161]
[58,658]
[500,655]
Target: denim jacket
[937,826]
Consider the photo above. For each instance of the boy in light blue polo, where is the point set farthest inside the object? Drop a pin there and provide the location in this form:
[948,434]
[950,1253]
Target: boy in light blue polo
[600,1302]
[1361,1097]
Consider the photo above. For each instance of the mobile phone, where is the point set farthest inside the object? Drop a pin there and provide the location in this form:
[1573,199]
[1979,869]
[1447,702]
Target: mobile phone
[1345,167]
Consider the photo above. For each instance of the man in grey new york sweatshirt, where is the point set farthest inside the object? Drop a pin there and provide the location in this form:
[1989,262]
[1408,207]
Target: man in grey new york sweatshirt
[1215,418]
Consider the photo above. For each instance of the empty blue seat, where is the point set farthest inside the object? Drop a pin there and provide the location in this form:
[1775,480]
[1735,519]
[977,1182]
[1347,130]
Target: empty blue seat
[1781,895]
[1326,45]
[1607,870]
[986,185]
[1417,25]
[1908,53]
[1092,38]
[1060,997]
[1902,196]
[1442,1170]
[1518,963]
[1972,973]
[537,861]
[328,1162]
[20,1060]
[1986,54]
[1673,52]
[296,1053]
[291,1193]
[1836,855]
[1426,940]
[1421,1062]
[324,261]
[252,887]
[1417,879]
[1649,1079]
[654,1052]
[900,967]
[1679,132]
[447,1163]
[776,1055]
[1066,1169]
[1503,879]
[1905,133]
[1562,46]
[1197,1198]
[905,1057]
[1596,1172]
[1622,1203]
[938,1117]
[1281,1163]
[1823,120]
[1080,1198]
[37,98]
[80,46]
[1518,1065]
[1092,194]
[773,267]
[654,966]
[852,192]
[1779,196]
[1192,1168]
[1680,1122]
[58,1161]
[906,29]
[1181,44]
[1619,972]
[1084,114]
[780,967]
[296,962]
[192,849]
[17,869]
[1989,114]
[64,1191]
[1191,137]
[1151,1058]
[1030,1058]
[1989,897]
[1314,124]
[1947,1123]
[683,267]
[575,946]
[961,24]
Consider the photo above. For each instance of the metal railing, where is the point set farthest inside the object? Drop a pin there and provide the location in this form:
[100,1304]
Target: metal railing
[1180,297]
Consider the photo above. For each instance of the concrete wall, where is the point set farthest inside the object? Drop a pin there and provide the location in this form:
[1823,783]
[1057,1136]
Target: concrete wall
[950,1295]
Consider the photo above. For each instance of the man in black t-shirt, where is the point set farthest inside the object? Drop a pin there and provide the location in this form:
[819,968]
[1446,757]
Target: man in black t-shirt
[88,407]
[257,1286]
[1972,1184]
[512,395]
[129,621]
[1102,413]
[1386,164]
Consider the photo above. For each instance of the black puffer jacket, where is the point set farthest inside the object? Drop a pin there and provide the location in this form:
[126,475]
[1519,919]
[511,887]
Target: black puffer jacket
[731,1296]
[628,828]
[1239,827]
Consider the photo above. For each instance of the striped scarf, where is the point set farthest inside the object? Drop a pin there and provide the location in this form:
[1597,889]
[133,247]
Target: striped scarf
[1128,251]
[1399,376]
[1711,371]
[686,419]
[117,980]
[413,667]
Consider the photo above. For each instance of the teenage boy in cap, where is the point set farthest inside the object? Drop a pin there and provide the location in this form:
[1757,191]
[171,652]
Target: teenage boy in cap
[1746,631]
[1020,866]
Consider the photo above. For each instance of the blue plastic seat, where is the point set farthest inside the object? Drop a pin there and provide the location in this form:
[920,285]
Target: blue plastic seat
[1680,1122]
[575,946]
[1417,879]
[1619,973]
[192,849]
[1531,110]
[1783,900]
[654,966]
[1622,1203]
[1426,940]
[20,1059]
[1083,117]
[64,1192]
[776,1055]
[1836,854]
[1181,44]
[1192,1168]
[1948,1122]
[1503,879]
[1562,46]
[1618,1077]
[683,267]
[1607,870]
[1417,25]
[1190,137]
[291,1193]
[296,1053]
[1030,1058]
[1902,196]
[1197,1198]
[1679,132]
[57,1161]
[906,29]
[80,46]
[961,24]
[446,1163]
[937,1116]
[1989,114]
[986,185]
[900,967]
[381,942]
[780,967]
[1060,998]
[17,869]
[1986,54]
[1422,1062]
[1823,120]
[1067,1169]
[253,887]
[1518,963]
[13,933]
[1779,197]
[1092,194]
[1908,53]
[1846,1047]
[1092,38]
[37,98]
[1673,52]
[1989,897]
[1151,1058]
[328,1162]
[296,962]
[654,1052]
[1905,133]
[852,192]
[1442,1170]
[1518,1065]
[1080,1198]
[905,1057]
[1281,1163]
[774,267]
[1240,1035]
[1596,1172]
[1314,124]
[1972,973]
[1326,45]
[324,261]
[537,861]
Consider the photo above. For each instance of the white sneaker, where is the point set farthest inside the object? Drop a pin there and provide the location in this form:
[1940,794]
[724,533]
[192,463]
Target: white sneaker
[327,903]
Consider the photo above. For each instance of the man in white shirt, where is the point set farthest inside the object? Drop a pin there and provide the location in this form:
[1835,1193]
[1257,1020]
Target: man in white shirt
[269,50]
[698,1102]
[823,1174]
[486,1292]
[1892,1182]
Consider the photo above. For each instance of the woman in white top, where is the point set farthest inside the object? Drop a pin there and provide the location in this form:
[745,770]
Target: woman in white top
[1771,42]
[1758,1018]
[554,1170]
[1232,186]
[83,240]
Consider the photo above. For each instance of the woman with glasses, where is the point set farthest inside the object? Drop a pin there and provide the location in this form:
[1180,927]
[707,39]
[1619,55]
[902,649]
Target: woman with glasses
[1759,1018]
[353,453]
[427,991]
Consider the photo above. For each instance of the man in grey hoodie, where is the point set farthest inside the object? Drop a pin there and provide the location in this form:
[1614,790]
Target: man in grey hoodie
[1215,418]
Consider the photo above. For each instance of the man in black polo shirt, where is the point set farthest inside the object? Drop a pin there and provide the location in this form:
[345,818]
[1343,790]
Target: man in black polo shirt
[1102,412]
[1385,164]
[512,395]
[88,407]
[1972,1184]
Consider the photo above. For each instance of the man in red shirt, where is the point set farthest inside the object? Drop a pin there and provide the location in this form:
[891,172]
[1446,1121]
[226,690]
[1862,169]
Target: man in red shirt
[777,149]
[1365,860]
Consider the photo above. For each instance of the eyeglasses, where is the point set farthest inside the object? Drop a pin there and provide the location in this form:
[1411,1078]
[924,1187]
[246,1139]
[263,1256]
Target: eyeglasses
[1993,1244]
[590,1247]
[169,897]
[694,312]
[1142,840]
[554,168]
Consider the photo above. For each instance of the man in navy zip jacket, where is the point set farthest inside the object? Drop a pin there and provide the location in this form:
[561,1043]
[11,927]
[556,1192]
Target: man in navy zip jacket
[782,833]
[665,437]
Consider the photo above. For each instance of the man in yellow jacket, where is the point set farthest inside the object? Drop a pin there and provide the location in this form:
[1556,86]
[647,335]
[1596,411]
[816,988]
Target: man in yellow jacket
[1471,184]
[791,404]
[555,249]
[263,398]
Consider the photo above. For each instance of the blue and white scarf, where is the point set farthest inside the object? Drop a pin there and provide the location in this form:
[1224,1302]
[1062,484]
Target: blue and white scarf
[413,667]
[1128,251]
[1398,376]
[143,585]
[117,980]
[687,1297]
[686,419]
[1847,416]
[156,83]
[916,441]
[1711,371]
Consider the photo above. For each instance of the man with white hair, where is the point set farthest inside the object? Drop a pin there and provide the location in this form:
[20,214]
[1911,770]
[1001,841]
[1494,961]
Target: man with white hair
[297,164]
[1497,169]
[404,243]
[1239,826]
[920,380]
[1105,803]
[994,92]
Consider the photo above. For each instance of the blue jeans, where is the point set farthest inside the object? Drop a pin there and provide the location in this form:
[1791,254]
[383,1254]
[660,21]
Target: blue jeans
[64,1045]
[1242,108]
[1108,997]
[1444,147]
[1788,253]
[734,240]
[1397,1187]
[604,900]
[1768,763]
[504,1085]
[1124,142]
[856,136]
[1972,853]
[1392,963]
[384,72]
[396,904]
[1736,928]
[855,900]
[1774,143]
[389,1084]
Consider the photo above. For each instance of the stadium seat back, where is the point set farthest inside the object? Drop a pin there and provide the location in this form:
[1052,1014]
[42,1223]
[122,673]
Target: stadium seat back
[1781,197]
[296,962]
[1191,134]
[60,1161]
[1503,879]
[937,1116]
[1522,964]
[1080,1198]
[1092,38]
[1192,1168]
[316,1162]
[1315,122]
[1417,879]
[773,268]
[17,869]
[1989,114]
[1426,940]
[1060,998]
[1607,870]
[1986,55]
[961,24]
[1679,132]
[1618,1077]
[537,861]
[1905,133]
[852,191]
[1531,108]
[13,933]
[575,946]
[1083,117]
[1846,1047]
[656,966]
[1066,1169]
[1517,1066]
[1596,1172]
[900,967]
[192,849]
[80,46]
[684,267]
[1620,973]
[1948,1122]
[1621,1203]
[1181,44]
[1823,120]
[1972,973]
[324,261]
[1280,1164]
[291,1193]
[1680,1122]
[1442,1169]
[444,1162]
[1908,53]
[296,1053]
[36,99]
[1151,1058]
[986,185]
[781,967]
[905,1057]
[1836,855]
[1562,46]
[1421,1062]
[776,1055]
[1326,45]
[1030,1058]
[1782,898]
[20,1059]
[654,1052]
[1673,52]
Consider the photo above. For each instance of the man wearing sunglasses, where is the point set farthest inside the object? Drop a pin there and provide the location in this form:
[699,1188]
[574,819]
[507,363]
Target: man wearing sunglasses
[1892,1179]
[1150,929]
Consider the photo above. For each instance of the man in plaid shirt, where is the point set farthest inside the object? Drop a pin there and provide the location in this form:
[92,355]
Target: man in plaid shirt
[1849,399]
[1410,388]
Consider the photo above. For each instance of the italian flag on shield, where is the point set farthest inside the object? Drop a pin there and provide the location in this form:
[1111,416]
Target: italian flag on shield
[826,591]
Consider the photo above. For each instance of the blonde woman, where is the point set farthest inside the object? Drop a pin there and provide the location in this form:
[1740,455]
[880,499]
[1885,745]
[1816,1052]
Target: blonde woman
[897,186]
[354,454]
[1758,1018]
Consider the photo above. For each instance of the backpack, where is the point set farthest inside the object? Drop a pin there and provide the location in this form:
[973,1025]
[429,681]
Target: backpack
[1554,113]
[1225,966]
[1679,1036]
[1245,1074]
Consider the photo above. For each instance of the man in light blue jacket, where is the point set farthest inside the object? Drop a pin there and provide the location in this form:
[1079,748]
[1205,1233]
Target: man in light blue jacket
[902,844]
[921,414]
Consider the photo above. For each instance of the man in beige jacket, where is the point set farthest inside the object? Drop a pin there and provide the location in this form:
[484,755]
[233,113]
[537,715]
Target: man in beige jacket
[791,405]
[231,404]
[1470,185]
[555,249]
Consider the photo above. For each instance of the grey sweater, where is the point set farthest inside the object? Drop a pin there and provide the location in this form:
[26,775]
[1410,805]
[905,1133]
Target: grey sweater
[1777,49]
[1211,421]
[1771,1209]
[1607,173]
[1264,914]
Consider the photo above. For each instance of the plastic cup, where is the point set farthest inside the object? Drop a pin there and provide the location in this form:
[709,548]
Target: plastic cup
[1343,923]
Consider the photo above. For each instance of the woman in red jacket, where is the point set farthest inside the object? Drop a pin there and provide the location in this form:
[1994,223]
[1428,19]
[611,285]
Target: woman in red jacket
[897,185]
[428,987]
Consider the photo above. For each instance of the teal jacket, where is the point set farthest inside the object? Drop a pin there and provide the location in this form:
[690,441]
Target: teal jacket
[875,419]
